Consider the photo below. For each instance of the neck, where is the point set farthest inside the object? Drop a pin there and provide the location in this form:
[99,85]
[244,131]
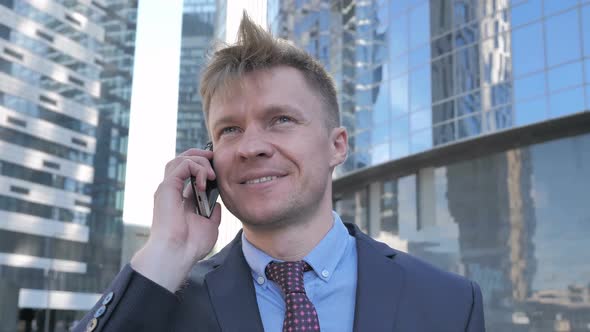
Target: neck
[293,241]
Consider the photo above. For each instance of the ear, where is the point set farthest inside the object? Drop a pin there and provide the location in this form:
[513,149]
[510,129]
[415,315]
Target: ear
[339,146]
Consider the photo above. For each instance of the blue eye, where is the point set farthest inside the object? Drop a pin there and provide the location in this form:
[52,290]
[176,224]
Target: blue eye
[228,130]
[284,119]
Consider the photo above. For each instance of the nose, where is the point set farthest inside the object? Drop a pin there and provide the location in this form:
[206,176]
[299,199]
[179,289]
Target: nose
[254,144]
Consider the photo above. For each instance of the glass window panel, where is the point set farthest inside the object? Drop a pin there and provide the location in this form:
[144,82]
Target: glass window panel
[586,29]
[420,120]
[527,41]
[587,96]
[442,45]
[398,7]
[353,207]
[420,56]
[442,78]
[467,71]
[400,147]
[529,86]
[566,102]
[399,95]
[442,21]
[552,6]
[467,35]
[379,134]
[362,119]
[498,119]
[421,141]
[468,104]
[444,133]
[380,154]
[443,112]
[464,12]
[587,67]
[565,76]
[389,206]
[469,126]
[563,38]
[399,65]
[419,25]
[398,35]
[530,111]
[420,88]
[525,12]
[400,126]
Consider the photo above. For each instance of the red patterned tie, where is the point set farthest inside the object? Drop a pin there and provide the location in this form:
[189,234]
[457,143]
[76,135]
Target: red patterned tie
[300,314]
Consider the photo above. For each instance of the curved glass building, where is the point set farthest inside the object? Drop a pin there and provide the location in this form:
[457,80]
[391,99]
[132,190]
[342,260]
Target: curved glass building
[469,140]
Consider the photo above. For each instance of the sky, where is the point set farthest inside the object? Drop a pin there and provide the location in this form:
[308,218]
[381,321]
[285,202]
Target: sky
[154,99]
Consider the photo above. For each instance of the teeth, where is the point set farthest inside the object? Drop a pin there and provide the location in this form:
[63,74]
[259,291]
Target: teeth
[261,180]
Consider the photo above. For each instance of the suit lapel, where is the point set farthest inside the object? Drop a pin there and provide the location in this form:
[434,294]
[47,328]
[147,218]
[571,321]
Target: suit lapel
[232,293]
[379,285]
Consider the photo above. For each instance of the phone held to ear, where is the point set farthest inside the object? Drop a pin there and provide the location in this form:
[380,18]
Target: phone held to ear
[205,200]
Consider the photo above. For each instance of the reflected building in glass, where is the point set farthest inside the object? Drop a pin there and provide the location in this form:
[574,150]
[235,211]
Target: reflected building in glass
[65,87]
[198,24]
[469,140]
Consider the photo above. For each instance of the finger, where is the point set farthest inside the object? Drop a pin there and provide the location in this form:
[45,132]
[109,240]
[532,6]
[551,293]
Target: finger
[197,152]
[216,215]
[173,164]
[183,171]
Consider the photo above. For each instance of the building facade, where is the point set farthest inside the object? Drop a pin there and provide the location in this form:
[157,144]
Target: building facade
[198,24]
[469,140]
[65,86]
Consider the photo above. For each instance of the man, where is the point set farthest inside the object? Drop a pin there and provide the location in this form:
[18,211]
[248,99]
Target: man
[273,118]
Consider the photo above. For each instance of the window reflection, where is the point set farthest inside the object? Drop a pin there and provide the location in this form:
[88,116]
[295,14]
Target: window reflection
[551,7]
[525,12]
[467,72]
[566,102]
[569,75]
[586,29]
[527,41]
[442,78]
[420,88]
[420,120]
[469,126]
[563,38]
[530,111]
[399,95]
[419,25]
[530,86]
[352,207]
[398,35]
[421,141]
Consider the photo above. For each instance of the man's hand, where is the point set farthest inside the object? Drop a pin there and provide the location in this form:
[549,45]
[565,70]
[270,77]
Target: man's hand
[179,236]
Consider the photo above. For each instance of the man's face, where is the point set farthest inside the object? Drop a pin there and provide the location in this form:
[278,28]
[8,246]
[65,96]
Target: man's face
[273,154]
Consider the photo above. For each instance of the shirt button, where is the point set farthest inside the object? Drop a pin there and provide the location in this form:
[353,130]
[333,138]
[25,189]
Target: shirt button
[325,273]
[260,280]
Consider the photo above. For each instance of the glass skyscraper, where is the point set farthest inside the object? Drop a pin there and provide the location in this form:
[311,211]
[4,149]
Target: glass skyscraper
[65,86]
[469,140]
[198,24]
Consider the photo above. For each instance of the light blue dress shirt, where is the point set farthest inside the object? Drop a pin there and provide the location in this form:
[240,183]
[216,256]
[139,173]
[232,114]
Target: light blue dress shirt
[331,286]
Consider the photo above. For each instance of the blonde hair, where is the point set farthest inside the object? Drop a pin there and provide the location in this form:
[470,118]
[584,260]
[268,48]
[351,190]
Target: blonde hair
[257,49]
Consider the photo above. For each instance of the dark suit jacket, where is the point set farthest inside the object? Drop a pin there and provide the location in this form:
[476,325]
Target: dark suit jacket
[395,292]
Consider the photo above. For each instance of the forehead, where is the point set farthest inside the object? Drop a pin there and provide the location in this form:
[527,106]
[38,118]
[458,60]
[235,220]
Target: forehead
[257,90]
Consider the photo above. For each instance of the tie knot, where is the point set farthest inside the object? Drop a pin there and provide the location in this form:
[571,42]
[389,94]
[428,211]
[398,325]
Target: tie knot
[288,275]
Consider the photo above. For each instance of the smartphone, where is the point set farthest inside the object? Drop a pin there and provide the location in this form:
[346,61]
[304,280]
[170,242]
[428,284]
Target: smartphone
[205,200]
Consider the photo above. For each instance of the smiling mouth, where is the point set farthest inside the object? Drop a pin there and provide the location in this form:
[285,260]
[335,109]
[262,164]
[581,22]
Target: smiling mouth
[262,179]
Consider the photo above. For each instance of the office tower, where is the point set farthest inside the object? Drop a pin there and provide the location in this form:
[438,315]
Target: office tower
[469,139]
[198,22]
[65,85]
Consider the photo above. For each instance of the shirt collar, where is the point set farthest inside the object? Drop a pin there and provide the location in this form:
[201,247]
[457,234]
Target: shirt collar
[323,258]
